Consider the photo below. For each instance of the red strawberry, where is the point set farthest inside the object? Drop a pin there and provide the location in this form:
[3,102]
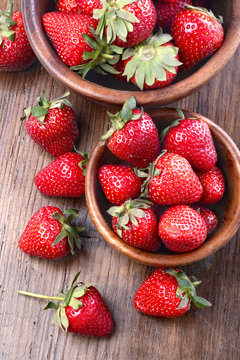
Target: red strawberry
[65,32]
[15,51]
[197,33]
[68,6]
[52,124]
[88,6]
[136,223]
[168,293]
[133,136]
[166,11]
[208,216]
[192,139]
[213,184]
[50,235]
[171,181]
[81,310]
[182,229]
[64,177]
[153,64]
[119,183]
[126,23]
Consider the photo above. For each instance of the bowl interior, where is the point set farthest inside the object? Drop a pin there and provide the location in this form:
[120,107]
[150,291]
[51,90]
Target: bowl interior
[227,210]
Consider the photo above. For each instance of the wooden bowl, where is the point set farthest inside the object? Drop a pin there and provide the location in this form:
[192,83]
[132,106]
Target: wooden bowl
[108,91]
[227,210]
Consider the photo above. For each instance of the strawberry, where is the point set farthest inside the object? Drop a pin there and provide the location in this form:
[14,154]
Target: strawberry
[182,229]
[168,293]
[213,183]
[68,6]
[202,3]
[197,33]
[152,64]
[88,6]
[64,177]
[50,235]
[171,180]
[208,216]
[192,139]
[119,183]
[15,51]
[133,136]
[81,310]
[125,23]
[52,124]
[136,223]
[65,32]
[166,11]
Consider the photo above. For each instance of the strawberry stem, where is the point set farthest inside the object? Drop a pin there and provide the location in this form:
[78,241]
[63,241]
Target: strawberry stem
[40,296]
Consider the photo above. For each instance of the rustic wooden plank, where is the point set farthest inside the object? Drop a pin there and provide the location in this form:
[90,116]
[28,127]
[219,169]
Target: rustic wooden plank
[25,329]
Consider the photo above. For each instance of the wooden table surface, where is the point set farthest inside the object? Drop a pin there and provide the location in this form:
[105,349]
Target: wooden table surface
[25,330]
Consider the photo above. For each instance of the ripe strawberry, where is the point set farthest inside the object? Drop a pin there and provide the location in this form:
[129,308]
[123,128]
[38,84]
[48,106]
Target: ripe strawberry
[197,33]
[208,216]
[166,11]
[192,139]
[119,183]
[153,64]
[81,310]
[88,6]
[63,177]
[133,136]
[168,293]
[52,124]
[68,6]
[50,235]
[182,229]
[125,23]
[15,51]
[65,32]
[213,183]
[136,223]
[171,180]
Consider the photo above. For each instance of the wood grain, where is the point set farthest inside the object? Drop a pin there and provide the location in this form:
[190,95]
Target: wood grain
[25,330]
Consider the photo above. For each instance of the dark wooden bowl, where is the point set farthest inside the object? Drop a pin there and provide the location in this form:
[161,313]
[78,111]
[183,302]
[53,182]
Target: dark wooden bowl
[227,210]
[104,89]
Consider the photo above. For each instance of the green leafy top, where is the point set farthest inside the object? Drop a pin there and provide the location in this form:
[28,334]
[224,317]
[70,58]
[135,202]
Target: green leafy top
[129,211]
[206,11]
[84,163]
[186,289]
[150,60]
[119,120]
[68,230]
[5,23]
[101,58]
[40,111]
[117,21]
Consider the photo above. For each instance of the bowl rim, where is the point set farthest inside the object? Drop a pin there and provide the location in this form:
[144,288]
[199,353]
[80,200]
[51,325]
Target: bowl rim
[156,259]
[100,94]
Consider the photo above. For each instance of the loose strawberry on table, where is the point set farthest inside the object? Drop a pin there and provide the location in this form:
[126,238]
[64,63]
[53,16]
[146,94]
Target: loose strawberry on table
[133,136]
[136,223]
[50,234]
[81,310]
[64,177]
[168,293]
[52,124]
[15,51]
[213,183]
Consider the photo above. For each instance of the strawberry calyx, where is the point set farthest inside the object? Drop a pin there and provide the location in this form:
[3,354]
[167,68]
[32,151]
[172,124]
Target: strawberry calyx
[131,210]
[5,23]
[68,230]
[70,298]
[187,289]
[101,58]
[40,111]
[119,120]
[117,21]
[205,11]
[84,162]
[150,60]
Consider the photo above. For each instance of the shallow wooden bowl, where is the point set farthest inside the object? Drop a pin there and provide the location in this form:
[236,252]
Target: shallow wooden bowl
[104,89]
[227,210]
